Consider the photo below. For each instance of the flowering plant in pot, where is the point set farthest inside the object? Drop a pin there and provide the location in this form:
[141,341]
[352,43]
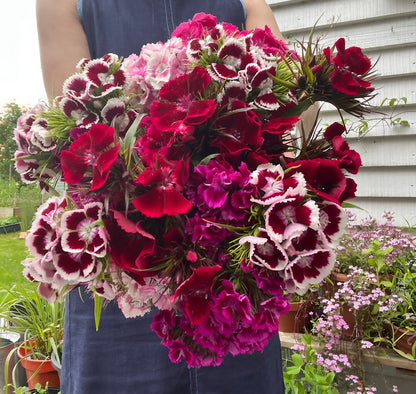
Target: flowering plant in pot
[342,337]
[373,245]
[304,373]
[40,325]
[298,318]
[402,319]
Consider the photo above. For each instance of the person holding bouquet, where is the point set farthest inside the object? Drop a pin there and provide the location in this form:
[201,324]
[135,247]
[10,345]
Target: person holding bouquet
[125,355]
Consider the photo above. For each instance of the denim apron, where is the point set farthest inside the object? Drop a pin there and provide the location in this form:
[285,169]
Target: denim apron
[125,356]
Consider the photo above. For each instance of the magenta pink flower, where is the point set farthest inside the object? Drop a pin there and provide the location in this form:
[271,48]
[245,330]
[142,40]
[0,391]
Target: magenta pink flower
[94,149]
[265,39]
[200,24]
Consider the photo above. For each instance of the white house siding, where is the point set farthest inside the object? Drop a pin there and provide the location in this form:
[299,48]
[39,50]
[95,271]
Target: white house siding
[386,30]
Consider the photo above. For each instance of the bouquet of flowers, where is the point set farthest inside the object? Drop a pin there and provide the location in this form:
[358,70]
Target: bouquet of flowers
[184,189]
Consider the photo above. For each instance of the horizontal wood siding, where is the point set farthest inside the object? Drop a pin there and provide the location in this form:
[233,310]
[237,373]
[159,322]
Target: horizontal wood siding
[386,30]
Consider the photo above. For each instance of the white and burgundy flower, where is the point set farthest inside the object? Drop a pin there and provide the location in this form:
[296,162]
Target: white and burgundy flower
[308,269]
[105,75]
[45,231]
[78,111]
[263,81]
[83,230]
[230,55]
[31,171]
[286,219]
[271,180]
[333,221]
[41,136]
[23,130]
[77,88]
[76,268]
[266,252]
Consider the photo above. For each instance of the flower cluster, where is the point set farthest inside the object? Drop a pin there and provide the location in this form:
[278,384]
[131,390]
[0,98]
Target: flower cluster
[184,190]
[368,240]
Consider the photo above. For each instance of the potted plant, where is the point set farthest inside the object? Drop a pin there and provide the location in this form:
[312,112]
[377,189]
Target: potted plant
[9,225]
[304,373]
[402,319]
[298,318]
[40,325]
[38,389]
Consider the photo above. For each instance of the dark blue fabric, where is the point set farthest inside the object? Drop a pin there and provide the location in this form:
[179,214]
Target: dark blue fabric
[125,356]
[124,26]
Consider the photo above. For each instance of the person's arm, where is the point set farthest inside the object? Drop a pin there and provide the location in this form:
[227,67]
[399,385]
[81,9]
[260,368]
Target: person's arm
[259,15]
[62,42]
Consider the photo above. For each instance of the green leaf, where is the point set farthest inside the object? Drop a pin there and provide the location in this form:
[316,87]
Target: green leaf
[293,370]
[98,305]
[297,360]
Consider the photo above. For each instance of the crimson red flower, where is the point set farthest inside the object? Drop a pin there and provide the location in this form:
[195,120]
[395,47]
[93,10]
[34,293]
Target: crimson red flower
[181,101]
[240,131]
[131,248]
[325,178]
[194,290]
[349,65]
[347,158]
[93,149]
[164,198]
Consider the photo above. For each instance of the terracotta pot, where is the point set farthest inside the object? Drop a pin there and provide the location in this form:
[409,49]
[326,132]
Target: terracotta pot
[328,288]
[37,371]
[404,340]
[298,318]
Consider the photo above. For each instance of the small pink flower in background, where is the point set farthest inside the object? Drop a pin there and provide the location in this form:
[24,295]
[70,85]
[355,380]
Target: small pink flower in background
[94,149]
[366,344]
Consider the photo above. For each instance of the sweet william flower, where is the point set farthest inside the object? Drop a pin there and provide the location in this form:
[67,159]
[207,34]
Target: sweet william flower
[349,65]
[325,178]
[83,230]
[94,149]
[194,291]
[131,247]
[348,158]
[181,103]
[164,196]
